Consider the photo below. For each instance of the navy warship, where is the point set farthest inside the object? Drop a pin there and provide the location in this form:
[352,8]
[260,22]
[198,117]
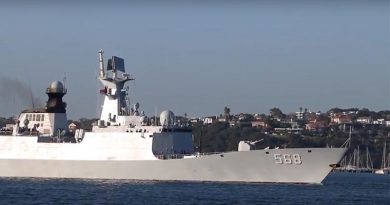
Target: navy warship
[126,144]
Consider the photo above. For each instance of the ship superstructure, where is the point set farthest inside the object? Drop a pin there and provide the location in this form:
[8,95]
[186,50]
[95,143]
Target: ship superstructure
[126,144]
[45,121]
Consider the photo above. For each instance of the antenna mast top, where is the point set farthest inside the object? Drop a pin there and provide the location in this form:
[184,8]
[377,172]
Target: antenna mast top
[101,64]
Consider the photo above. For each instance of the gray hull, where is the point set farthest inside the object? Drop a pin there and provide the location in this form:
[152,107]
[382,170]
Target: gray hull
[245,166]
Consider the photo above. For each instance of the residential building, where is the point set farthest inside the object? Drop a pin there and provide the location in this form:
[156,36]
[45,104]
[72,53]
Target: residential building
[379,122]
[341,119]
[259,123]
[194,120]
[209,120]
[300,115]
[316,125]
[364,120]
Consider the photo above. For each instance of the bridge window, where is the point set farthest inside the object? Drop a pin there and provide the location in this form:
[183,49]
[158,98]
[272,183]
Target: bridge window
[43,117]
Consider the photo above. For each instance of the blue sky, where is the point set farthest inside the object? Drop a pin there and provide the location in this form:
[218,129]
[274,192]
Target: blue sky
[196,57]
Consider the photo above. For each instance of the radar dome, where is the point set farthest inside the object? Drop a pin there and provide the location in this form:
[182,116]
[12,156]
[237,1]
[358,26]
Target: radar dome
[167,118]
[57,87]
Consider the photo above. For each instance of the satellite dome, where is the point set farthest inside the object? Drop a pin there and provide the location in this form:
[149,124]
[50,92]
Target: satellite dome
[167,118]
[57,87]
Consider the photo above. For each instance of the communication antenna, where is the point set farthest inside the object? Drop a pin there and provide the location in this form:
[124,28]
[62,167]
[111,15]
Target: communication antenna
[31,92]
[64,80]
[101,64]
[15,103]
[128,102]
[155,115]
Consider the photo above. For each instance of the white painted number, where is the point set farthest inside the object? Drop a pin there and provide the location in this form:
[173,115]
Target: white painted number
[288,159]
[297,159]
[278,159]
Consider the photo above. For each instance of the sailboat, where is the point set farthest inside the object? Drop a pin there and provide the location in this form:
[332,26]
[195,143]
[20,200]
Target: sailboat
[385,166]
[354,162]
[368,168]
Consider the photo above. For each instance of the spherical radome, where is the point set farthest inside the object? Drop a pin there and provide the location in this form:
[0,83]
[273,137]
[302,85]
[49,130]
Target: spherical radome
[167,118]
[56,86]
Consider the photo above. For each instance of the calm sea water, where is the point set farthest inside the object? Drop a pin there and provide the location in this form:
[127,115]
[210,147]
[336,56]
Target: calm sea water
[338,188]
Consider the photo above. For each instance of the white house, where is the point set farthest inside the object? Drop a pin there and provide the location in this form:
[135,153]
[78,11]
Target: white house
[364,120]
[379,122]
[209,120]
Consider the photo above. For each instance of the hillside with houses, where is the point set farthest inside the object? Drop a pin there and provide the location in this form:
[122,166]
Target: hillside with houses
[304,121]
[372,124]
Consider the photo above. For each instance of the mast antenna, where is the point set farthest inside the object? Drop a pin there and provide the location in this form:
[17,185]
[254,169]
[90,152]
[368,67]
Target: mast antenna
[101,64]
[64,80]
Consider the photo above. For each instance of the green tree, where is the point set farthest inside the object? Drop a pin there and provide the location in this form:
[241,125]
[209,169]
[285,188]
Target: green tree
[276,113]
[226,112]
[364,112]
[335,110]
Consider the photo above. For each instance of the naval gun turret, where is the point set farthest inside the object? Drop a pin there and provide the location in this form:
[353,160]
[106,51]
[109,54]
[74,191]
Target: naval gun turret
[248,145]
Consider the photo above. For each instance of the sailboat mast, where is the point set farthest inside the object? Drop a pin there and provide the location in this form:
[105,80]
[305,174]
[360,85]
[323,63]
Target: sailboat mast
[384,156]
[367,157]
[358,158]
